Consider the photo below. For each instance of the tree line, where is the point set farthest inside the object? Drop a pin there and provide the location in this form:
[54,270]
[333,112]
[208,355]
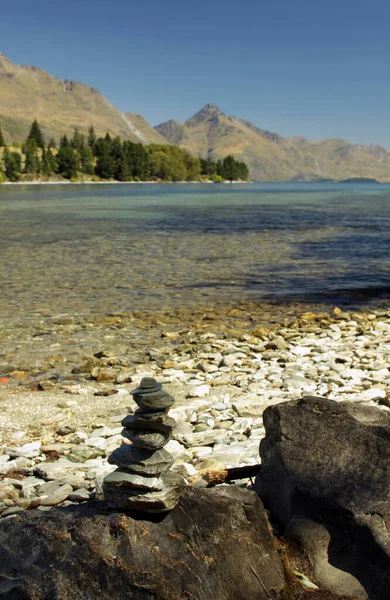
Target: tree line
[111,158]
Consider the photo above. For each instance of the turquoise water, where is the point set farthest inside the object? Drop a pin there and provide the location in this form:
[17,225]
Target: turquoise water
[101,248]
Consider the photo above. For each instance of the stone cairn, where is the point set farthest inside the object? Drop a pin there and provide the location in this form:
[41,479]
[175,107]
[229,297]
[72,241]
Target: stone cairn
[142,480]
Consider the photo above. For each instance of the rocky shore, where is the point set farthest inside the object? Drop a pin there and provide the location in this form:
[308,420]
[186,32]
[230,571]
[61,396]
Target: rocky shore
[66,384]
[62,409]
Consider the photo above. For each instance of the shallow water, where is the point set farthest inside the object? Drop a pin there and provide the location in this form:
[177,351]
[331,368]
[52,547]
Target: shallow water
[99,249]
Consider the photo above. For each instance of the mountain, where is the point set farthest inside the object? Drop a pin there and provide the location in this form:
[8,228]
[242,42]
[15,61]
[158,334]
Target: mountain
[28,93]
[146,133]
[60,106]
[270,157]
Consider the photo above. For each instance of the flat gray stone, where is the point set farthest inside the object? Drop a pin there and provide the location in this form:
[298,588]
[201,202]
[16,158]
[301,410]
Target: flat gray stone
[12,510]
[159,400]
[83,453]
[153,502]
[203,438]
[237,453]
[76,481]
[58,496]
[148,422]
[79,495]
[133,482]
[63,468]
[49,488]
[146,439]
[30,450]
[140,460]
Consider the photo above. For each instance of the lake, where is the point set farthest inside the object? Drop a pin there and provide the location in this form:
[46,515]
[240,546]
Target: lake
[94,249]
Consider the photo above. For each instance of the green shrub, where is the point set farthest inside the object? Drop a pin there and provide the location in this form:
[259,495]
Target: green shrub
[216,178]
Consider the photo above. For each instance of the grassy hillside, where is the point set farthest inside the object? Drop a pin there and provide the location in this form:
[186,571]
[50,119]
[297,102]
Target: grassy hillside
[146,131]
[60,106]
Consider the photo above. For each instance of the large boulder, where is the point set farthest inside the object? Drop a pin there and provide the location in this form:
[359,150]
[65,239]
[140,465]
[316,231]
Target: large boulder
[216,544]
[326,478]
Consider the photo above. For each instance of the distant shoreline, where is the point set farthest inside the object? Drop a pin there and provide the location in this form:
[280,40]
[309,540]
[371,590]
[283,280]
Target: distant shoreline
[11,183]
[354,180]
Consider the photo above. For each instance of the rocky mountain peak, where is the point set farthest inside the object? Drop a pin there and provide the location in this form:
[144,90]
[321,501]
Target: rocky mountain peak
[4,61]
[208,112]
[171,130]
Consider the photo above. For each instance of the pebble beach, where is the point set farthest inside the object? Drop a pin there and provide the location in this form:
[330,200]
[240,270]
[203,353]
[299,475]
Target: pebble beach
[233,299]
[66,383]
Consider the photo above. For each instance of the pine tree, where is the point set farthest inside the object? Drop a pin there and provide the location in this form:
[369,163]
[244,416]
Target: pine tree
[52,144]
[12,165]
[52,162]
[243,172]
[77,140]
[67,160]
[118,156]
[192,164]
[31,162]
[48,163]
[91,138]
[105,167]
[2,141]
[230,168]
[86,160]
[138,160]
[64,142]
[123,172]
[36,135]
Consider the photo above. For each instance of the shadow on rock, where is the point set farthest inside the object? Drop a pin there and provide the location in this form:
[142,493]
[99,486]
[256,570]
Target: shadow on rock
[325,477]
[216,543]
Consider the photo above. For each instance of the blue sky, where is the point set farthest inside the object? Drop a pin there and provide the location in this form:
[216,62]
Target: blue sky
[317,68]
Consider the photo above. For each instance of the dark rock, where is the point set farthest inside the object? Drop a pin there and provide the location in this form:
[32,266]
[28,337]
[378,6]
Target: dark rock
[161,422]
[105,393]
[329,463]
[149,395]
[147,385]
[159,400]
[147,439]
[139,460]
[65,430]
[196,552]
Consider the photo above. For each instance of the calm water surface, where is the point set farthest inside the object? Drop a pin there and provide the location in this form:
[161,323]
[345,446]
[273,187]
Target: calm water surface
[96,249]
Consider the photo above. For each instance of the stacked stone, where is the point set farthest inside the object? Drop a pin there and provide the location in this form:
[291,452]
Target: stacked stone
[142,480]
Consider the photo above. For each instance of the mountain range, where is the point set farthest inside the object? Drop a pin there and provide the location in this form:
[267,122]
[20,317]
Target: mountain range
[28,92]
